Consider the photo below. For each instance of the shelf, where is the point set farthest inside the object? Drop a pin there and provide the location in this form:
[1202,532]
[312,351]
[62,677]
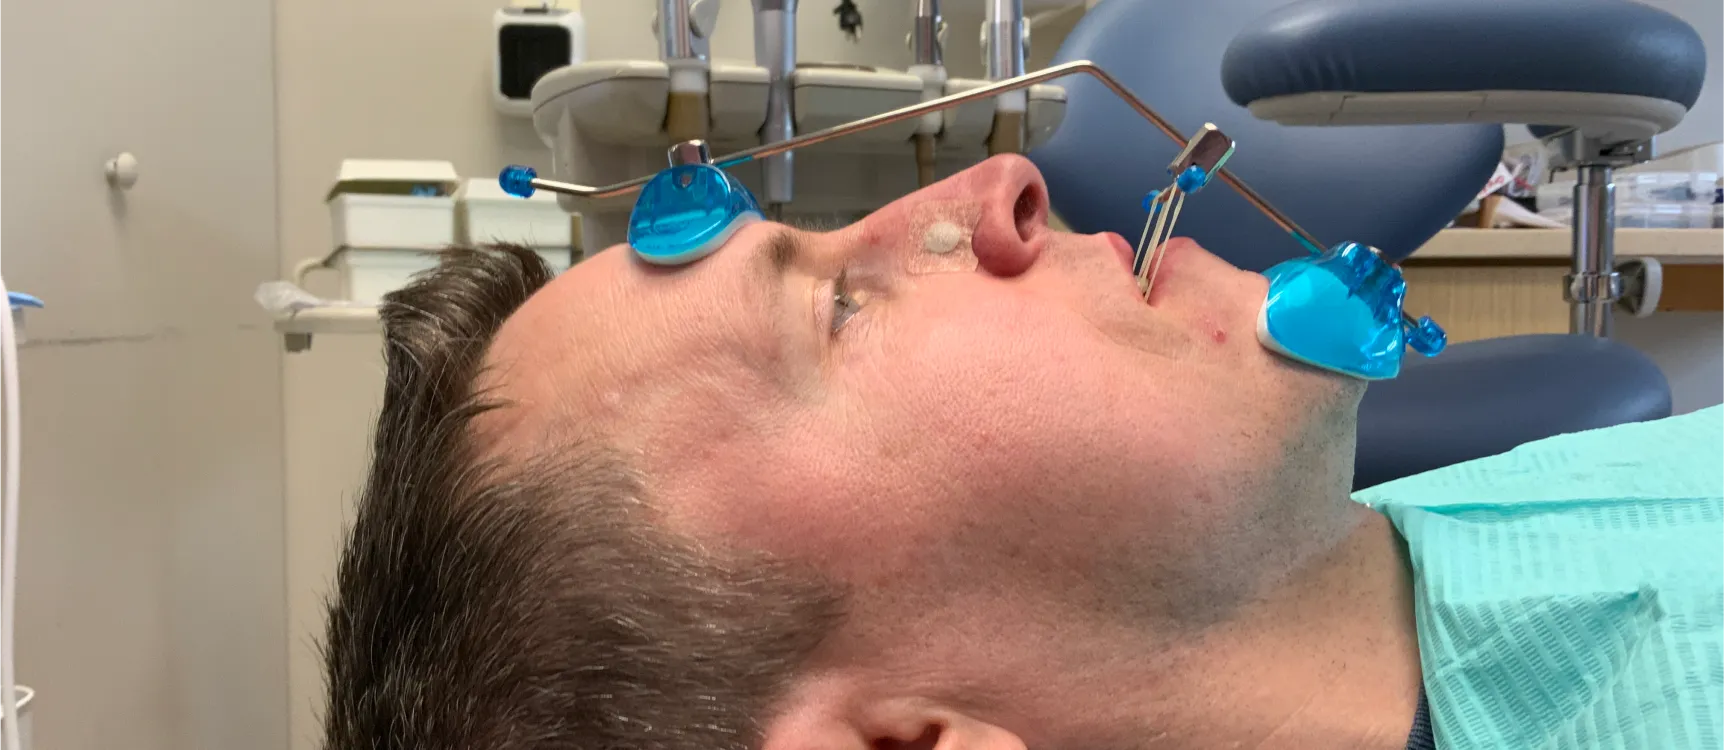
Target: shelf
[298,328]
[1689,246]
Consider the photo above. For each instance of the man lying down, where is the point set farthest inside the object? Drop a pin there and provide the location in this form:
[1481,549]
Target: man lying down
[940,480]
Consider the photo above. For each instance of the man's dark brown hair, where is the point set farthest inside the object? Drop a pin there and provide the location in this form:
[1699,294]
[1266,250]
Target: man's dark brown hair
[483,604]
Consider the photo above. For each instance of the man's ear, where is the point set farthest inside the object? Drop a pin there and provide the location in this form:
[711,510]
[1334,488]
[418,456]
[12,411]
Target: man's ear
[924,726]
[823,720]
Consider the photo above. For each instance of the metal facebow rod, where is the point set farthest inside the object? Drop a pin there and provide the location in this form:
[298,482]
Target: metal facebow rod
[947,102]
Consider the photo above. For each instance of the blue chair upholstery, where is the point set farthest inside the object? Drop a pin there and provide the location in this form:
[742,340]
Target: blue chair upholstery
[1580,46]
[1465,403]
[1393,187]
[1389,187]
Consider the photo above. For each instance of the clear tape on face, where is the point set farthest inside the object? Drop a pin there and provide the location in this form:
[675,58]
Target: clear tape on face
[941,232]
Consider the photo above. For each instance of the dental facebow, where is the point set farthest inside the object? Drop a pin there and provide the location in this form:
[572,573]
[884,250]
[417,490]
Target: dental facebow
[1338,309]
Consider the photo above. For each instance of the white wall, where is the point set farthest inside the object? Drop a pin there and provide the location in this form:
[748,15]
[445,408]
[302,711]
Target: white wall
[151,609]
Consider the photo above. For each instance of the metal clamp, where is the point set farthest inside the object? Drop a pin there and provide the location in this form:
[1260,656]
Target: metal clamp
[689,152]
[1571,148]
[1592,287]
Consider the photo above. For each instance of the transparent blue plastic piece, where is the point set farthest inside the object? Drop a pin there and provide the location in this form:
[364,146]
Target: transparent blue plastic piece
[686,212]
[1149,203]
[1341,312]
[517,181]
[1428,338]
[20,299]
[1192,179]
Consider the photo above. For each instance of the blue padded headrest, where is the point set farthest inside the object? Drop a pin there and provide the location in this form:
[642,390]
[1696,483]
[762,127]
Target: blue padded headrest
[1583,46]
[1437,414]
[1390,187]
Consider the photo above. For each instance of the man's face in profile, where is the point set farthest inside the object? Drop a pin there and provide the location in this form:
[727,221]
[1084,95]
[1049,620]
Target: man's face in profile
[945,394]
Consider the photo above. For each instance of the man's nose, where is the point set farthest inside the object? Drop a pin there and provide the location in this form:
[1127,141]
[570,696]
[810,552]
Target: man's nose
[1014,221]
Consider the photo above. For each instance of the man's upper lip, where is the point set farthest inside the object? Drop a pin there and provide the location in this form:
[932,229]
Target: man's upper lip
[1121,248]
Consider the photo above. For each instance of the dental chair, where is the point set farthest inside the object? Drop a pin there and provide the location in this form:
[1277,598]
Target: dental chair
[1421,89]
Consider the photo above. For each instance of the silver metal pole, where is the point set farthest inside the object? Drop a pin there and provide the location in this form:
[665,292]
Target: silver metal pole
[775,50]
[1004,42]
[675,35]
[925,35]
[1593,286]
[1005,39]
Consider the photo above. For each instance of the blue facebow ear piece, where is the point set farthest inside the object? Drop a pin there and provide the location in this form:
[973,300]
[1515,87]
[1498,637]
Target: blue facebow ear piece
[686,212]
[682,214]
[1341,311]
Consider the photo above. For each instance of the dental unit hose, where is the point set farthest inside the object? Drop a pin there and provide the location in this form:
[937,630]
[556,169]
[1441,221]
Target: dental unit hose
[9,486]
[775,50]
[926,38]
[1003,43]
[686,110]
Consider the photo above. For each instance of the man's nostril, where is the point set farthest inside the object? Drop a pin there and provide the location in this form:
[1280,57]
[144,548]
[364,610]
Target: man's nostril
[1027,212]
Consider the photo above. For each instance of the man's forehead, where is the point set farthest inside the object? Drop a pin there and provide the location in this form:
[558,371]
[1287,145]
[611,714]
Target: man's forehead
[612,325]
[593,317]
[614,295]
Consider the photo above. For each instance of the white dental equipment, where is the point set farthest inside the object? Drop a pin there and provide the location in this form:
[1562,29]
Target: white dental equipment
[775,50]
[531,42]
[684,30]
[610,120]
[927,43]
[1004,36]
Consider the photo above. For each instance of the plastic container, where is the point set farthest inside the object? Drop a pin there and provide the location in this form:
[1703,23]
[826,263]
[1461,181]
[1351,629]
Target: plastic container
[393,204]
[1654,216]
[1707,157]
[391,217]
[489,215]
[1664,216]
[1641,187]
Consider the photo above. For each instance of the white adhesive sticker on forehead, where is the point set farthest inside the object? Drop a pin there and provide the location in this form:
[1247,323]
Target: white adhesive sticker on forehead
[940,232]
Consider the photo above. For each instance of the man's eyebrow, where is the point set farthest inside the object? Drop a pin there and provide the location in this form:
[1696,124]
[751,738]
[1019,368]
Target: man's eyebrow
[785,246]
[782,253]
[782,250]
